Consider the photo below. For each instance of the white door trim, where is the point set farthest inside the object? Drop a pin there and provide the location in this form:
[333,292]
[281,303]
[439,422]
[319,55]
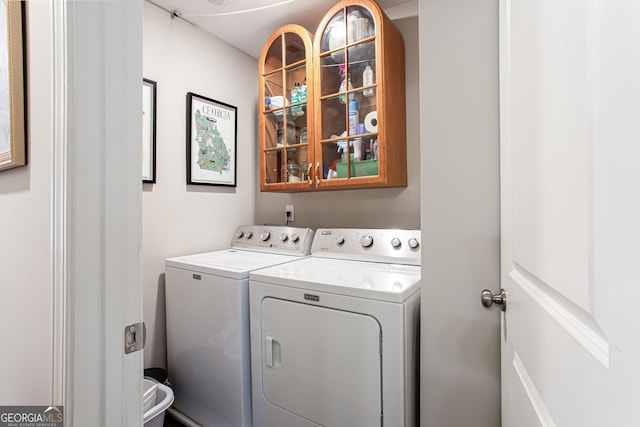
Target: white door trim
[97,72]
[59,242]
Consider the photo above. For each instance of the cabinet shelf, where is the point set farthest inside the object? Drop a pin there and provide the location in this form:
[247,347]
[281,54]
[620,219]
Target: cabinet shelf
[279,118]
[349,91]
[355,45]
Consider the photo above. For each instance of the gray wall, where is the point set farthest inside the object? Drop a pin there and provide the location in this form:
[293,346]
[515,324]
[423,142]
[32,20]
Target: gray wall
[178,219]
[26,294]
[460,348]
[376,208]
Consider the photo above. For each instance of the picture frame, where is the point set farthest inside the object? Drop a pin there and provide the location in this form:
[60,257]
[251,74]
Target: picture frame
[149,131]
[211,141]
[13,150]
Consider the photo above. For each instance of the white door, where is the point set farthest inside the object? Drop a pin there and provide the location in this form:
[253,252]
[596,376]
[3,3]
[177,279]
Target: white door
[570,153]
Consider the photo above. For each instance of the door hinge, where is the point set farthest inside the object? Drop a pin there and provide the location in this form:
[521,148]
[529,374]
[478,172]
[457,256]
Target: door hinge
[134,337]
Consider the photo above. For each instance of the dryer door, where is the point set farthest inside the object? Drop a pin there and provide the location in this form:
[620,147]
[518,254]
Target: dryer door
[322,364]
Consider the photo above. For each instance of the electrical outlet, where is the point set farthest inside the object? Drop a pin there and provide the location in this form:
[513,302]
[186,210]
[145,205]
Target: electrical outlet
[288,213]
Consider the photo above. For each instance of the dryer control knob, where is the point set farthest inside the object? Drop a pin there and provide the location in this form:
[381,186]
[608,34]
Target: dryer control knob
[395,242]
[366,241]
[284,237]
[239,235]
[413,243]
[265,236]
[339,239]
[249,234]
[294,238]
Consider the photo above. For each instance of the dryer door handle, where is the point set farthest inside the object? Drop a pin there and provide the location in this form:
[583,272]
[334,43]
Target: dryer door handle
[273,352]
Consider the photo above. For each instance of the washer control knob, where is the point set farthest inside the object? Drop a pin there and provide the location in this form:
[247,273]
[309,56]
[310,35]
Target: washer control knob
[339,239]
[413,243]
[395,242]
[264,236]
[249,234]
[366,241]
[294,238]
[284,237]
[239,235]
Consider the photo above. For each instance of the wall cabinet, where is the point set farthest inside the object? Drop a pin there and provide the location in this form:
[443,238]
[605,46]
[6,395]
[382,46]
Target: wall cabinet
[286,145]
[349,129]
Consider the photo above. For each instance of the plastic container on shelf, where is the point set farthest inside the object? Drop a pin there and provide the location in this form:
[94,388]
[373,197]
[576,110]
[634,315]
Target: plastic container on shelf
[154,416]
[357,149]
[276,102]
[361,168]
[302,93]
[345,85]
[354,117]
[295,99]
[367,80]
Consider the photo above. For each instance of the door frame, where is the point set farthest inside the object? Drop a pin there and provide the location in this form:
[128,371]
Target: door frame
[459,212]
[96,183]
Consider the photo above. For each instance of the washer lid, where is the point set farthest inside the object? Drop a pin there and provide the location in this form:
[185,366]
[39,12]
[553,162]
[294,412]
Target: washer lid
[378,281]
[232,263]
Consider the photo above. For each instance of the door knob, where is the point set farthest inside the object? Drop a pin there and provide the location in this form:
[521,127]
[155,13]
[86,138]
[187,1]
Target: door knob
[488,299]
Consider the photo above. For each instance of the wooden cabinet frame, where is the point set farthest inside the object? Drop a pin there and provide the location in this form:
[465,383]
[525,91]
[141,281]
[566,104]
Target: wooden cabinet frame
[323,156]
[274,80]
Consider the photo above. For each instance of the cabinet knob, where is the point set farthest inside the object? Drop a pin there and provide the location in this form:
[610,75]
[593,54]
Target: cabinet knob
[318,173]
[309,173]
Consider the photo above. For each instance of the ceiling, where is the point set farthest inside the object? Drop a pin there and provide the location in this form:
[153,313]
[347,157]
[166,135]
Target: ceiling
[247,24]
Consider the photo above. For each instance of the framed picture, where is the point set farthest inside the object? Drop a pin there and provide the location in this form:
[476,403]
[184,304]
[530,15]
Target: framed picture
[211,141]
[12,101]
[148,131]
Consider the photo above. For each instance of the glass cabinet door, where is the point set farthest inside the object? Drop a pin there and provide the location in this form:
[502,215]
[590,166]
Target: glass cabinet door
[348,101]
[285,77]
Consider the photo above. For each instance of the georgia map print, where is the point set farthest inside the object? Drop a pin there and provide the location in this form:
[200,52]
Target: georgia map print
[213,154]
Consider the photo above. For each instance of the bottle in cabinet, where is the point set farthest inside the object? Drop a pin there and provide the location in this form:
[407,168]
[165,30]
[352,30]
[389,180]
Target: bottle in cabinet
[367,80]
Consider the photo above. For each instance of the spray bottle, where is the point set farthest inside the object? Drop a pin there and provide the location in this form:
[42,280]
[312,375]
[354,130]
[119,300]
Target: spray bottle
[345,85]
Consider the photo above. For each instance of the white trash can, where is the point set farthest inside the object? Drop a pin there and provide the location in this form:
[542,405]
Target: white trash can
[150,387]
[154,416]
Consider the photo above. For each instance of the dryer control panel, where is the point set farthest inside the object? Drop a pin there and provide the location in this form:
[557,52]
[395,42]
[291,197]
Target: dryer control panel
[363,244]
[273,238]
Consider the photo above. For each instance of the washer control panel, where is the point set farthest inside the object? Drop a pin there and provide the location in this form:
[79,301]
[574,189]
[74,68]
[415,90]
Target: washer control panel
[273,238]
[376,245]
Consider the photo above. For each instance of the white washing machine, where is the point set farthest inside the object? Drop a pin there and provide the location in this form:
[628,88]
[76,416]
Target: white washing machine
[334,336]
[207,300]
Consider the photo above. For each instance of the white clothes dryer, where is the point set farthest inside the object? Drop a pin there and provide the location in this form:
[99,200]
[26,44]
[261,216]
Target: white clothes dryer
[334,336]
[207,303]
